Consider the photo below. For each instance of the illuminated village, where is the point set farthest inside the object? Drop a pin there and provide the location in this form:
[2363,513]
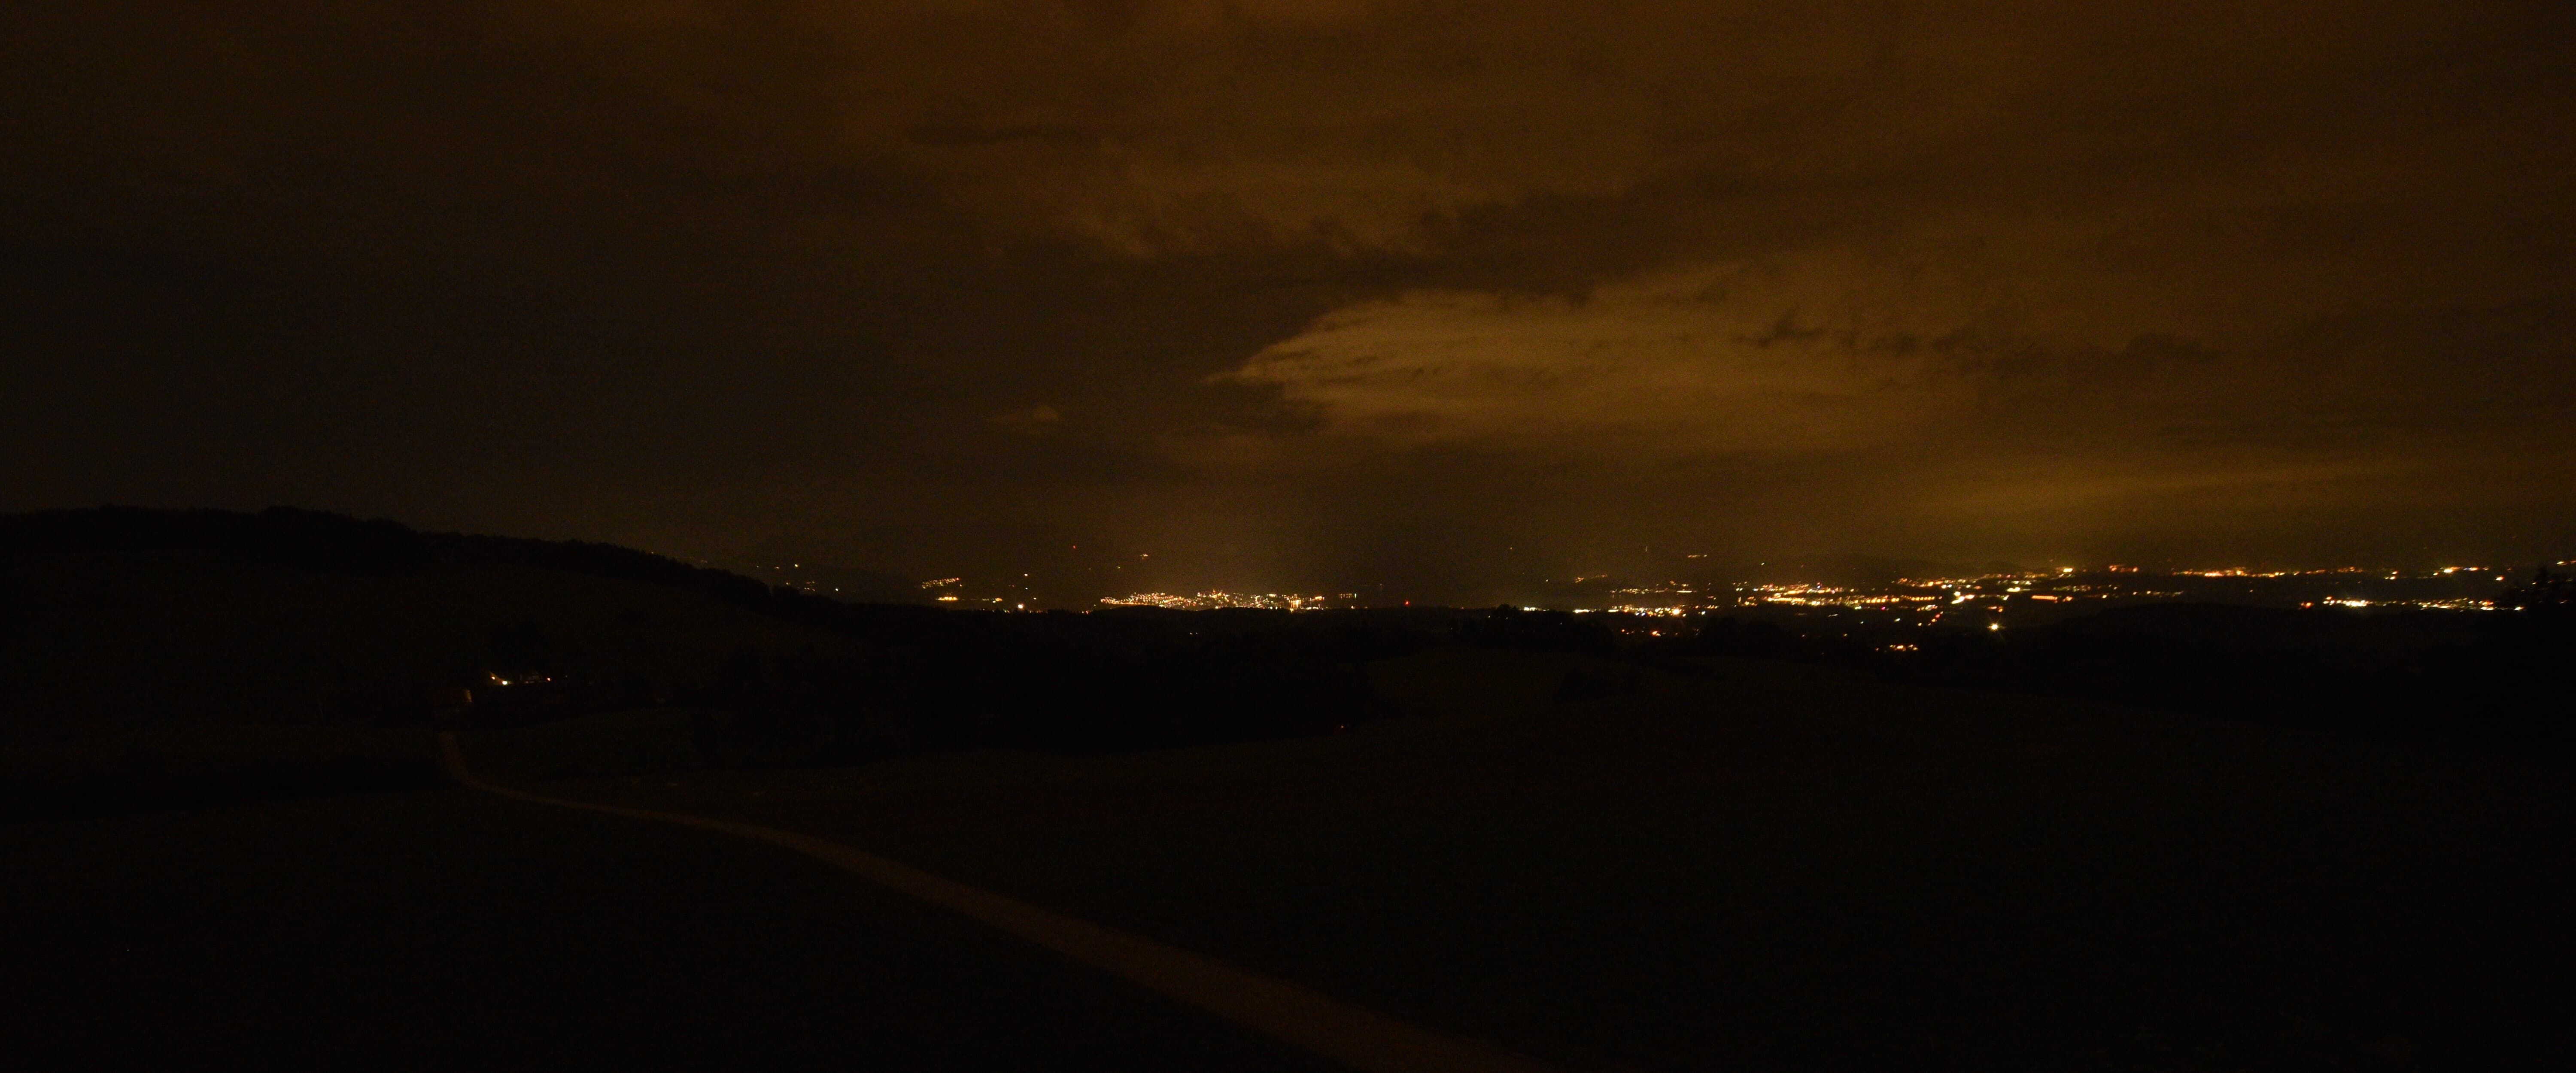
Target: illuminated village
[1992,599]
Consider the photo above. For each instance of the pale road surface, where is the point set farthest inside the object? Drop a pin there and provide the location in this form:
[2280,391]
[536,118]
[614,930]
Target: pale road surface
[449,929]
[453,929]
[1315,1022]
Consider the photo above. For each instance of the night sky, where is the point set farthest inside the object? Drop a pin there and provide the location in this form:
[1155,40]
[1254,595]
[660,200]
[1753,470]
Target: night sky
[1325,294]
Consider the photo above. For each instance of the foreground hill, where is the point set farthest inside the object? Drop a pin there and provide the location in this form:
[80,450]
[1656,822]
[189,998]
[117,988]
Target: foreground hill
[120,622]
[447,930]
[1772,866]
[150,658]
[1728,847]
[166,656]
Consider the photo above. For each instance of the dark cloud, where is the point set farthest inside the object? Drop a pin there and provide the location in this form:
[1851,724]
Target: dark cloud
[1320,290]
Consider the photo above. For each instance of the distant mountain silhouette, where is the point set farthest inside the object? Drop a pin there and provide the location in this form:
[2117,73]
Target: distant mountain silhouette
[141,649]
[336,543]
[146,647]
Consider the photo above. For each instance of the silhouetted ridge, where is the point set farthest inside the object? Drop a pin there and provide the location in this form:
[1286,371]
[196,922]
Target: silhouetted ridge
[337,543]
[311,540]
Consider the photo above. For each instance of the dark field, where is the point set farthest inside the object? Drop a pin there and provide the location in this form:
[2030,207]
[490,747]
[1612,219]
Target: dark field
[1702,845]
[452,930]
[1230,535]
[1780,871]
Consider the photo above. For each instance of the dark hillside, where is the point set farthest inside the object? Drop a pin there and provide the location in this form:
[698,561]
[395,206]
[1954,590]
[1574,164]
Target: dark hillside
[113,641]
[321,542]
[2486,679]
[1772,866]
[131,639]
[2493,680]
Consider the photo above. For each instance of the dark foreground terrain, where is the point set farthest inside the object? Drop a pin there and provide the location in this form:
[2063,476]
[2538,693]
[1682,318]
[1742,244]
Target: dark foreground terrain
[2162,838]
[1769,871]
[454,930]
[1782,871]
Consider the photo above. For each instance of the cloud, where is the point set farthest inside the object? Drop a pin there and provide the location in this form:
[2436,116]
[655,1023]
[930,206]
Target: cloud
[1827,353]
[1708,267]
[1879,397]
[1034,421]
[1181,126]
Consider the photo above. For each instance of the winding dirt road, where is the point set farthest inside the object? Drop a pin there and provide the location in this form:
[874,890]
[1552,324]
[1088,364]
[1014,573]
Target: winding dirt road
[1295,1015]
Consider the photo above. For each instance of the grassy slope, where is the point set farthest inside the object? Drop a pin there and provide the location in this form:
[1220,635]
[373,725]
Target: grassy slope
[451,930]
[1783,870]
[109,642]
[145,679]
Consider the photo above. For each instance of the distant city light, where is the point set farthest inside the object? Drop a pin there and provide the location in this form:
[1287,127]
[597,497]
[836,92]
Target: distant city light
[1214,600]
[1903,601]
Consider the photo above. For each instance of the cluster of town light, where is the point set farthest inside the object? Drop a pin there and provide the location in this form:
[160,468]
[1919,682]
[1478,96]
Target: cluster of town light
[1210,601]
[1932,596]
